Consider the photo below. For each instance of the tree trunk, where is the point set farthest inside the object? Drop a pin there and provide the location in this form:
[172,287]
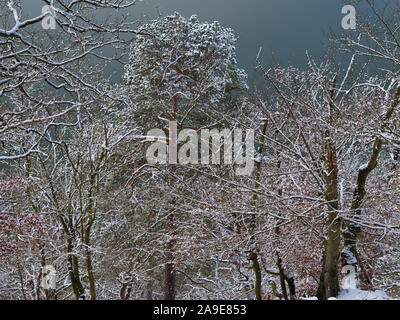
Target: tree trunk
[149,291]
[170,273]
[257,272]
[282,278]
[253,255]
[286,279]
[125,291]
[89,266]
[329,280]
[170,278]
[77,287]
[349,253]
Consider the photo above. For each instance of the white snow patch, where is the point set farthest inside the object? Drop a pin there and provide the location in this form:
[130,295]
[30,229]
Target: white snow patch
[357,294]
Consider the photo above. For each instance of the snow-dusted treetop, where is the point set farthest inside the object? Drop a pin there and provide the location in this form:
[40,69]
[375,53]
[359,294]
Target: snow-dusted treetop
[183,61]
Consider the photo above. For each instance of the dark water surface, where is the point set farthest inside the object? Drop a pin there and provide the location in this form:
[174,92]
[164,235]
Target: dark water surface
[285,29]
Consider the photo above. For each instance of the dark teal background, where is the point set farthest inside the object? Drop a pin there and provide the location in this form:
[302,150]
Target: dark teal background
[285,29]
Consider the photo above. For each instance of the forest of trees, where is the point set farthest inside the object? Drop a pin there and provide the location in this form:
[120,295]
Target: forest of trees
[77,192]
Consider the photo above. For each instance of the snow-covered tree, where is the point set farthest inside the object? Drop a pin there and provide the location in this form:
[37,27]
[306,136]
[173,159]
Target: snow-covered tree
[183,69]
[186,71]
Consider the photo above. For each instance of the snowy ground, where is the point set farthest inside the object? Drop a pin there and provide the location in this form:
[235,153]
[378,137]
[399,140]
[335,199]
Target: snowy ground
[357,294]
